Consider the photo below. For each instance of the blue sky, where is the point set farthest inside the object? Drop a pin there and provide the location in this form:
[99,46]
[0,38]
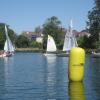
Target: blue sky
[26,15]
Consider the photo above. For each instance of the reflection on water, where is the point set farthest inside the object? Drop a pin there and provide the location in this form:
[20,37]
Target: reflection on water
[8,63]
[5,64]
[56,88]
[92,78]
[76,91]
[51,76]
[95,77]
[2,79]
[31,76]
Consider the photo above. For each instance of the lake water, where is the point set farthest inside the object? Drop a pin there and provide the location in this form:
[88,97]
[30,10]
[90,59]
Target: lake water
[31,76]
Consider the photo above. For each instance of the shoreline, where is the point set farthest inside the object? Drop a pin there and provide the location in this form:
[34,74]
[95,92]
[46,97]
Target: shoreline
[28,50]
[88,51]
[37,50]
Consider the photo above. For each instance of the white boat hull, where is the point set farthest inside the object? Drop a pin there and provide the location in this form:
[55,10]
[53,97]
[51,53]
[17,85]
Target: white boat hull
[49,54]
[96,55]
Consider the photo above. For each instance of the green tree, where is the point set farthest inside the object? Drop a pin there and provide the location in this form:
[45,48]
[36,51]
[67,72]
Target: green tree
[1,41]
[22,42]
[94,23]
[12,35]
[52,26]
[35,44]
[2,35]
[84,42]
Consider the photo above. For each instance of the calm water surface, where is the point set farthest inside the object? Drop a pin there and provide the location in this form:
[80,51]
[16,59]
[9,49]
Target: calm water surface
[31,76]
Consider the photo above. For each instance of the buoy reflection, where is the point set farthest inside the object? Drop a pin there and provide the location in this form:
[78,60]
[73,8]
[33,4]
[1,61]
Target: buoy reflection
[76,91]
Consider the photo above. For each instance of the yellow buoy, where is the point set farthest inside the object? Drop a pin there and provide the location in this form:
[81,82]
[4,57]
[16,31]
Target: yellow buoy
[76,91]
[76,64]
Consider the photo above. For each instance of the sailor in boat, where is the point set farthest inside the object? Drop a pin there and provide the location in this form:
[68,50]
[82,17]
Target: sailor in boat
[8,53]
[5,54]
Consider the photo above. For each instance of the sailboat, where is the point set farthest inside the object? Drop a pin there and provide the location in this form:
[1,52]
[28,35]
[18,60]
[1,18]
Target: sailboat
[8,46]
[69,42]
[95,54]
[51,46]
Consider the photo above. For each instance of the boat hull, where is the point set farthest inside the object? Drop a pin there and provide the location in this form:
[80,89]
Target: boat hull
[50,54]
[6,55]
[96,55]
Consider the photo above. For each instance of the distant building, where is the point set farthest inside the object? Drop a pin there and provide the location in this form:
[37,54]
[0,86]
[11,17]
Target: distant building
[39,39]
[32,36]
[77,34]
[81,34]
[84,33]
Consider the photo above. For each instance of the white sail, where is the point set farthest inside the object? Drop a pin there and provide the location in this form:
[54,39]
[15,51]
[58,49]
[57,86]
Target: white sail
[5,46]
[51,46]
[67,42]
[11,47]
[8,44]
[70,40]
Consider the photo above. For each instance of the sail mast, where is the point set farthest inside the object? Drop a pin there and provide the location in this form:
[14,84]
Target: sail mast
[71,27]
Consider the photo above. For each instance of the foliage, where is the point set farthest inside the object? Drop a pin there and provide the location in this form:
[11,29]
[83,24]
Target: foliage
[94,23]
[22,42]
[2,36]
[52,26]
[1,41]
[35,44]
[85,42]
[97,2]
[12,35]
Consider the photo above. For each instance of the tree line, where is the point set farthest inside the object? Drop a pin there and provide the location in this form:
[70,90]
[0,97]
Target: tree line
[93,25]
[52,26]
